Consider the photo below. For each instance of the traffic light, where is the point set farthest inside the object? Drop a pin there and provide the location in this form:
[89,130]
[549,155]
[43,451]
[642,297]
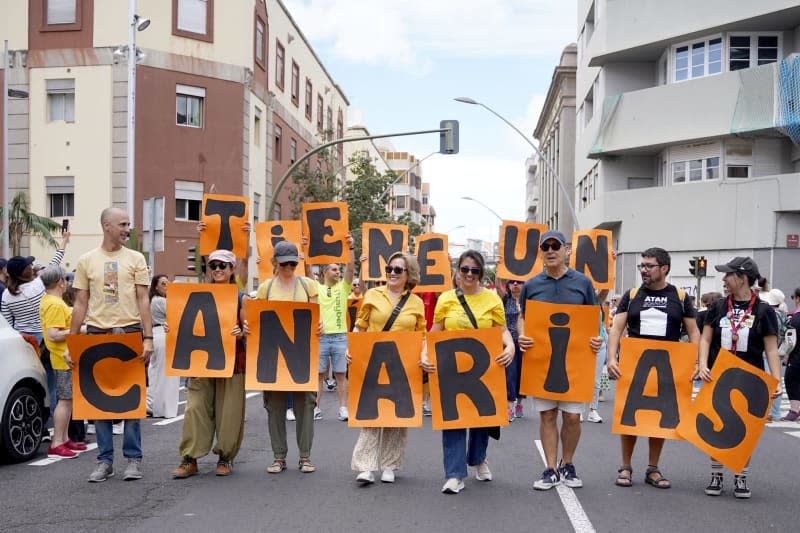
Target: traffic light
[693,265]
[196,261]
[702,263]
[448,140]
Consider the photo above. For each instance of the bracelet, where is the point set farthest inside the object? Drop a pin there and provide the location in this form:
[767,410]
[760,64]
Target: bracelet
[145,337]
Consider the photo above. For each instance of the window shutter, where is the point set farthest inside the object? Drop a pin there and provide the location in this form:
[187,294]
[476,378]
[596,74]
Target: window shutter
[60,184]
[66,86]
[192,15]
[61,11]
[189,190]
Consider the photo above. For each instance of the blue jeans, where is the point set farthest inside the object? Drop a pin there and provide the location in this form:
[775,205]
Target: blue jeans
[775,410]
[458,453]
[131,440]
[598,369]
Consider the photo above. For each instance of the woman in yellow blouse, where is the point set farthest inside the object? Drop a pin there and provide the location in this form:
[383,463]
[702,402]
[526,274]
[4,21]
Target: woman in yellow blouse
[487,310]
[383,448]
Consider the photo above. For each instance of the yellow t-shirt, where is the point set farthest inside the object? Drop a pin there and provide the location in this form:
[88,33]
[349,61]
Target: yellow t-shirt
[377,307]
[333,306]
[55,313]
[296,294]
[111,279]
[486,306]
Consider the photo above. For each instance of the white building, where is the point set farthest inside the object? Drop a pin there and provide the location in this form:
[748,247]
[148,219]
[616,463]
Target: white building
[682,132]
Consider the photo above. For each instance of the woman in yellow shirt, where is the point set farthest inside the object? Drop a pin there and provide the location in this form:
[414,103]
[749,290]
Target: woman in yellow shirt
[383,448]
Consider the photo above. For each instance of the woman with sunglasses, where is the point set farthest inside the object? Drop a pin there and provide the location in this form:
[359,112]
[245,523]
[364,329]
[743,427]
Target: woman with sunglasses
[216,405]
[487,309]
[383,448]
[513,289]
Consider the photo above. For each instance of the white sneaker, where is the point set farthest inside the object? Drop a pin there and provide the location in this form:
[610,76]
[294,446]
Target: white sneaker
[453,486]
[594,416]
[365,478]
[482,472]
[118,429]
[317,413]
[343,414]
[387,476]
[90,429]
[290,414]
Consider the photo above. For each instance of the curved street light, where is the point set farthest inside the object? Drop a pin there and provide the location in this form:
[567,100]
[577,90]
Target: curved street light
[567,197]
[462,226]
[492,211]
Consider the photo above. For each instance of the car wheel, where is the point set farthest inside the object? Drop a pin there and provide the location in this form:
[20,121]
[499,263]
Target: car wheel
[22,424]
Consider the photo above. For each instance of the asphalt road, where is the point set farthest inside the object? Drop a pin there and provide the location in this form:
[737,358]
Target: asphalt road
[56,496]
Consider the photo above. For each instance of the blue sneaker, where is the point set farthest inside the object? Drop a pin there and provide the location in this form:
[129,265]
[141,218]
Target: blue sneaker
[569,476]
[550,479]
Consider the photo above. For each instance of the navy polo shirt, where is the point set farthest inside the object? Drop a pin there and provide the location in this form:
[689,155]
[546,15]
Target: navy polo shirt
[571,288]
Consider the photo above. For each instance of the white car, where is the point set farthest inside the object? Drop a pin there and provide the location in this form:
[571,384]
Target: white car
[23,395]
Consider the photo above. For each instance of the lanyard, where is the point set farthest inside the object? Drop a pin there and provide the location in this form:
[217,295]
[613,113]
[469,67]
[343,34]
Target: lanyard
[737,325]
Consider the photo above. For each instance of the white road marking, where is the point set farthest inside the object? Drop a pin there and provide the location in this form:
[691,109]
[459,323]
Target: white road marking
[577,516]
[50,460]
[180,417]
[794,433]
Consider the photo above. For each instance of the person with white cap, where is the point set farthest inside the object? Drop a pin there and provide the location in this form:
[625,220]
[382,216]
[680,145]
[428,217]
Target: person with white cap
[215,406]
[777,301]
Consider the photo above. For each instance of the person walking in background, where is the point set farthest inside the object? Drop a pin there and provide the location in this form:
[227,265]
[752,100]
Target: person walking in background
[163,391]
[514,369]
[776,300]
[791,377]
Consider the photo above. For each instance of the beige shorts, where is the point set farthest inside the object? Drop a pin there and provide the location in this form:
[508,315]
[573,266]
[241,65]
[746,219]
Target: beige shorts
[542,404]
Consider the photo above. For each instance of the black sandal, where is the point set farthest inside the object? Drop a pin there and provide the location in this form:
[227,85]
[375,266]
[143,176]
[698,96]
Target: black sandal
[659,482]
[624,480]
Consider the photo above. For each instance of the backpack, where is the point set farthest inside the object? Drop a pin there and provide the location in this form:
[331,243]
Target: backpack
[634,291]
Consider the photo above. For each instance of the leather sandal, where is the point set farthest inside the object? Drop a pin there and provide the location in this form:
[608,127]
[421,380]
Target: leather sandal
[624,480]
[659,482]
[277,466]
[306,466]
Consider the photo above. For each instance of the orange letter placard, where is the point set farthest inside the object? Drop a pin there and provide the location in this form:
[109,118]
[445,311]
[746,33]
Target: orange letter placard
[199,341]
[326,226]
[560,365]
[353,305]
[519,250]
[283,346]
[434,263]
[268,234]
[728,415]
[108,378]
[655,387]
[378,243]
[468,389]
[591,255]
[225,216]
[385,383]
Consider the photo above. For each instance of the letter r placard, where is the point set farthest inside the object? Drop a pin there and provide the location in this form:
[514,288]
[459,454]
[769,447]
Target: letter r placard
[108,377]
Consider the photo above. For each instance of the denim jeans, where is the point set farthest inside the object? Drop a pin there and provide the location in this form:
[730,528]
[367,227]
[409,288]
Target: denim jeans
[775,409]
[458,453]
[131,440]
[598,368]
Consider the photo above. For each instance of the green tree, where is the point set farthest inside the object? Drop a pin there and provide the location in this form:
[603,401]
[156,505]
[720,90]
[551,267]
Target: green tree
[414,229]
[318,185]
[22,221]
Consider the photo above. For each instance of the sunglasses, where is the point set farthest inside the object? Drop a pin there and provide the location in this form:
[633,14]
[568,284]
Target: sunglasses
[470,270]
[396,269]
[222,265]
[515,282]
[546,246]
[292,264]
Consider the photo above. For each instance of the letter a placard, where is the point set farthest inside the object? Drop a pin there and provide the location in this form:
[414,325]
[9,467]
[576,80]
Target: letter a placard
[325,224]
[591,255]
[560,365]
[108,377]
[728,415]
[519,250]
[385,383]
[225,216]
[655,387]
[199,341]
[283,346]
[468,389]
[378,243]
[270,233]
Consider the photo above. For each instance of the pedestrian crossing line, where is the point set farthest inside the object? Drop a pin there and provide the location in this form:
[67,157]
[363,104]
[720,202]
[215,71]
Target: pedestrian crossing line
[794,433]
[50,460]
[178,418]
[577,516]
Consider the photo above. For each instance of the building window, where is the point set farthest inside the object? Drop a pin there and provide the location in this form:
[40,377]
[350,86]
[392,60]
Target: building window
[295,84]
[60,196]
[256,206]
[277,148]
[340,135]
[745,51]
[588,106]
[329,123]
[698,59]
[695,170]
[400,202]
[280,64]
[193,19]
[292,150]
[189,103]
[309,98]
[261,42]
[276,211]
[61,12]
[257,126]
[320,105]
[738,171]
[188,200]
[61,100]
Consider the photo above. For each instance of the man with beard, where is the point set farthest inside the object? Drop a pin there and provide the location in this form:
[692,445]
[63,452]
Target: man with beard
[656,310]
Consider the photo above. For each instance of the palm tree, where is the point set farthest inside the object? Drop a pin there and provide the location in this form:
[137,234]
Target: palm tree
[22,221]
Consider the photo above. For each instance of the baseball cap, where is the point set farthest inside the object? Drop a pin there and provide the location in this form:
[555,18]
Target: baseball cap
[740,265]
[17,264]
[226,256]
[774,297]
[552,234]
[285,252]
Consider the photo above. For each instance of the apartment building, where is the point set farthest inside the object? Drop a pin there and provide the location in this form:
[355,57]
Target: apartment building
[226,99]
[363,148]
[687,132]
[407,189]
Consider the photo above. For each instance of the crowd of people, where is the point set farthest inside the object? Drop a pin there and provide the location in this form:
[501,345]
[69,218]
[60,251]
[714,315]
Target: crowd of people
[112,291]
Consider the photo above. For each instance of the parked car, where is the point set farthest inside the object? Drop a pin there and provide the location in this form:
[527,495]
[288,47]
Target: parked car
[23,395]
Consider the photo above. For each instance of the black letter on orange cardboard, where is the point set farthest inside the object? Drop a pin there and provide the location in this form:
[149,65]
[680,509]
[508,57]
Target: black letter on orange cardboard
[94,394]
[379,248]
[277,234]
[520,267]
[318,229]
[667,400]
[226,210]
[557,379]
[425,247]
[273,339]
[452,382]
[187,342]
[385,355]
[591,259]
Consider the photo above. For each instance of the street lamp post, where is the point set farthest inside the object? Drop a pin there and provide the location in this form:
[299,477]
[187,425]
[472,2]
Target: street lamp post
[454,228]
[134,24]
[567,196]
[492,211]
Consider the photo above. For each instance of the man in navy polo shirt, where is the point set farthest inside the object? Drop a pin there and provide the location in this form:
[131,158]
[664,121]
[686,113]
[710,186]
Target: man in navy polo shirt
[557,284]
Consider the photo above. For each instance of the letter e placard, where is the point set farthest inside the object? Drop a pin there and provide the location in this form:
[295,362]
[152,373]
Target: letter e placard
[434,263]
[326,226]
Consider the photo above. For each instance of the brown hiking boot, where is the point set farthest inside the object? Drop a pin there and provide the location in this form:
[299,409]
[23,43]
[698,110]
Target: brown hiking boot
[188,467]
[223,468]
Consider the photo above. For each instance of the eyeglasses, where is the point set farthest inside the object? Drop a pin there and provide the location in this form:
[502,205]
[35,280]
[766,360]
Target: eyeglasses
[546,246]
[647,266]
[222,265]
[470,270]
[329,292]
[396,269]
[515,282]
[292,264]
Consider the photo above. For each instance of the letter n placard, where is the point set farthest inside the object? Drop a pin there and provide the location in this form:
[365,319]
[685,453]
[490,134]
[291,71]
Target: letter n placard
[655,387]
[385,384]
[468,389]
[108,377]
[728,415]
[591,255]
[560,365]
